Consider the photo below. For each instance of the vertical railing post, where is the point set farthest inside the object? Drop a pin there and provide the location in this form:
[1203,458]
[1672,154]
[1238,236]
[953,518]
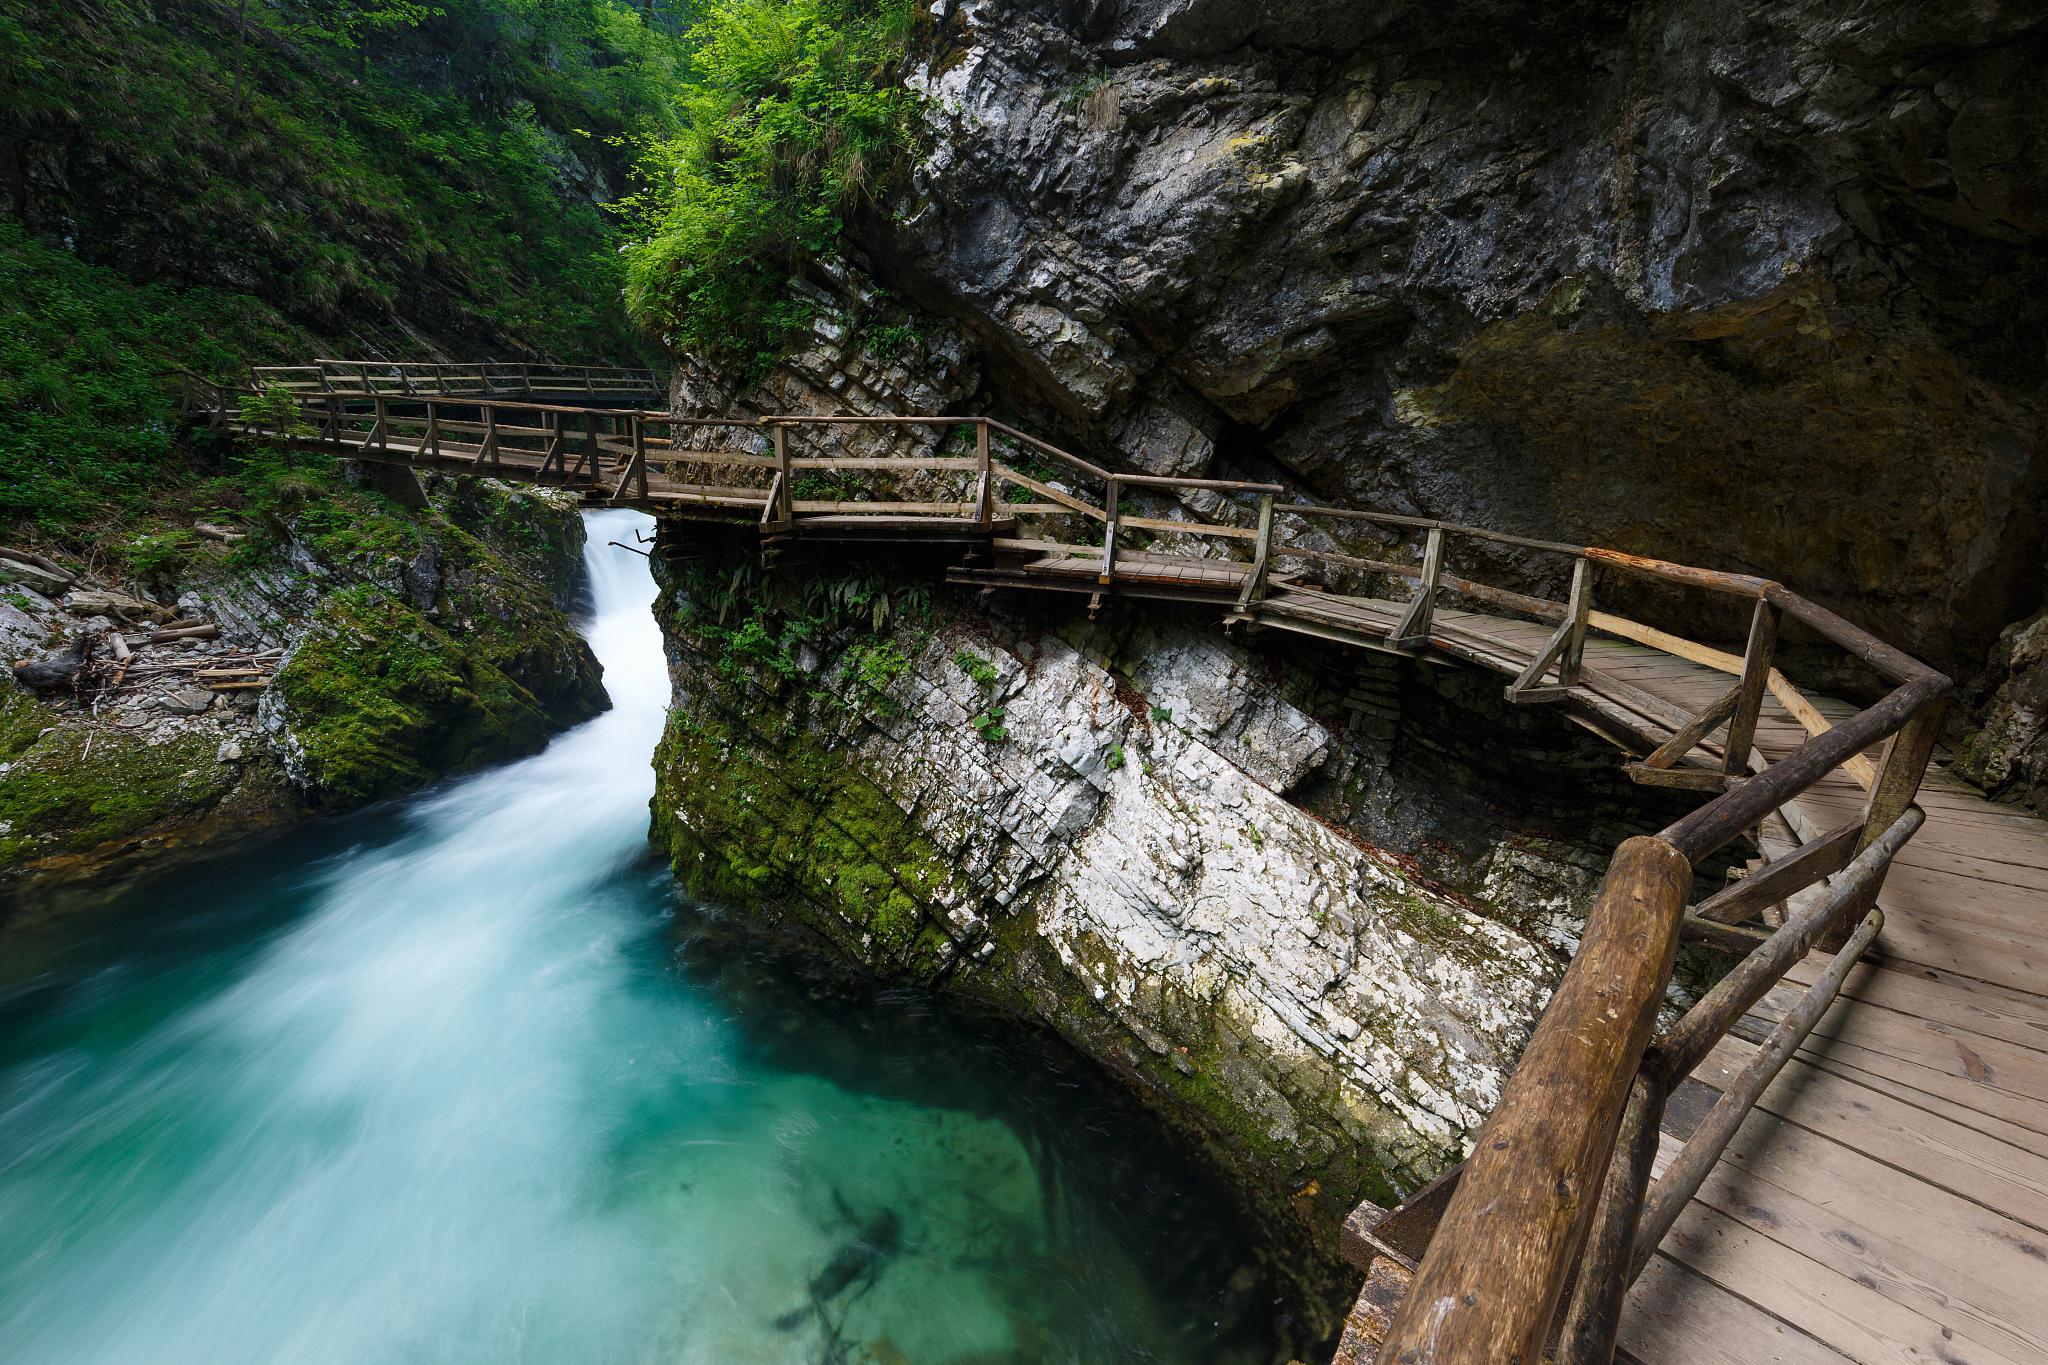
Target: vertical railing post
[1906,755]
[433,439]
[1756,679]
[378,437]
[636,463]
[786,491]
[1578,610]
[984,512]
[1255,581]
[640,450]
[1413,630]
[1114,494]
[487,450]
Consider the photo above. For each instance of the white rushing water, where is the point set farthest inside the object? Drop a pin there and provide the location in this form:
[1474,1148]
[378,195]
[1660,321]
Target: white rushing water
[455,1105]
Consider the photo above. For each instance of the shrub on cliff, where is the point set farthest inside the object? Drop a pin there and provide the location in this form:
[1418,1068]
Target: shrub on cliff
[790,120]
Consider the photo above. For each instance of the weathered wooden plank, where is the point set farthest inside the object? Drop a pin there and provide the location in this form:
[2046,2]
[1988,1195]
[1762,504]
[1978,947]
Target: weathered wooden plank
[1675,1314]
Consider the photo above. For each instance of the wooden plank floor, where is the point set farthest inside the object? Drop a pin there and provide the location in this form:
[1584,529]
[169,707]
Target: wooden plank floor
[1888,1200]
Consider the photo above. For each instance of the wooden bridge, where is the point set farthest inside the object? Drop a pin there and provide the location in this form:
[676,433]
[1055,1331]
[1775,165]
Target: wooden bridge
[1840,1153]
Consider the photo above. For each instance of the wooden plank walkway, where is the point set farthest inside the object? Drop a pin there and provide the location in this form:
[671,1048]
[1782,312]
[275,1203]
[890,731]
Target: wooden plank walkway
[1886,1200]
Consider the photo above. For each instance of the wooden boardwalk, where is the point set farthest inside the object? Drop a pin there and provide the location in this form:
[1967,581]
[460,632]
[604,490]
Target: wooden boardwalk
[1878,1193]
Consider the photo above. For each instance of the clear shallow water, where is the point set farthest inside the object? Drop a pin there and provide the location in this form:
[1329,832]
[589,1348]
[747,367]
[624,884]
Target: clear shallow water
[445,1083]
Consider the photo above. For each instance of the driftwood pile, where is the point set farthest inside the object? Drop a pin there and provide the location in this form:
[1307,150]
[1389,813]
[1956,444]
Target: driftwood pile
[106,662]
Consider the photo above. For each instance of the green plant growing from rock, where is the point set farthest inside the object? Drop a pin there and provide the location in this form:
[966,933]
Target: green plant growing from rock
[989,725]
[981,670]
[791,121]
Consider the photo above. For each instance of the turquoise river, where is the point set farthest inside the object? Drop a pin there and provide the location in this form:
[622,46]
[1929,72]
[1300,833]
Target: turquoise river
[462,1080]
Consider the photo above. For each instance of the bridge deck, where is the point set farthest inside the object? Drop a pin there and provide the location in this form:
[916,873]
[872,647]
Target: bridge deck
[1887,1199]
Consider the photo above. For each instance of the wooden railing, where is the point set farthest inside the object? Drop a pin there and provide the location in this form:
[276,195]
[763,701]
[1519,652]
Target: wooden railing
[405,378]
[1558,1183]
[1557,1189]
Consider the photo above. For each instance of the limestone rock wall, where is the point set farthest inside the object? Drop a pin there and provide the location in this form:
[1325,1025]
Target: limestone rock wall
[1310,902]
[1757,287]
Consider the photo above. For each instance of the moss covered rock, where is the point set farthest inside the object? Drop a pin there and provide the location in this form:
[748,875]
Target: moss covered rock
[378,700]
[74,796]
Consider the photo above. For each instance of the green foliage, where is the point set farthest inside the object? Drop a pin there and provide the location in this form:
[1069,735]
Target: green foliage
[873,666]
[262,180]
[1162,714]
[274,408]
[789,122]
[977,668]
[989,725]
[92,416]
[1114,759]
[156,555]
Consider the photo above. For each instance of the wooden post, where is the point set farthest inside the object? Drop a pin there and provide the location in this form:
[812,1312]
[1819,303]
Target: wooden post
[985,489]
[1413,630]
[1591,1321]
[787,493]
[590,451]
[1108,570]
[487,451]
[377,439]
[558,446]
[1578,610]
[1756,679]
[639,434]
[1255,581]
[432,443]
[1906,755]
[1487,1289]
[333,419]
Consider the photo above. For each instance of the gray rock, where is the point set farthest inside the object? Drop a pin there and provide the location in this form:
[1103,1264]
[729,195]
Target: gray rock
[186,701]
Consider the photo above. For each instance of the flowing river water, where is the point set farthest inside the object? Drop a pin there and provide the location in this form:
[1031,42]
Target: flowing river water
[461,1081]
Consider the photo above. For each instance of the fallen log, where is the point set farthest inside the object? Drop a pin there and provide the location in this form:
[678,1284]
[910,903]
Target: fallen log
[44,562]
[205,632]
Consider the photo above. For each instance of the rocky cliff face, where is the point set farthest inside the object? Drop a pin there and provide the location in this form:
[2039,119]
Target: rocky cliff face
[1308,901]
[362,650]
[1755,288]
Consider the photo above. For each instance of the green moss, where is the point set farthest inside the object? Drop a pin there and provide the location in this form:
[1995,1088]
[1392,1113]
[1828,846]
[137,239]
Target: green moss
[746,826]
[381,701]
[58,798]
